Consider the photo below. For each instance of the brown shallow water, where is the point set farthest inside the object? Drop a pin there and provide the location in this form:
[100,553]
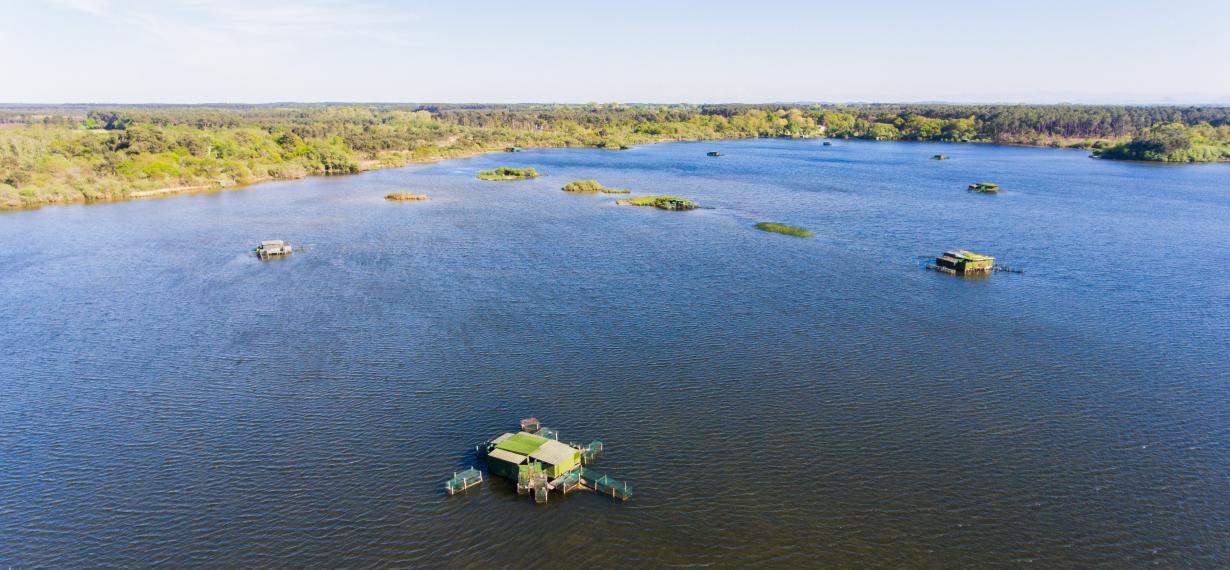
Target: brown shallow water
[166,399]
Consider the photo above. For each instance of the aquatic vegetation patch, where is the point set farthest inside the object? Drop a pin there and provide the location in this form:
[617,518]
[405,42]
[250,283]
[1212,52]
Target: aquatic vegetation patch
[506,173]
[785,229]
[405,197]
[592,186]
[662,202]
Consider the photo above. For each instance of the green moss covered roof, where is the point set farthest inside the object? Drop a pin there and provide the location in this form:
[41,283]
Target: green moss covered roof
[971,256]
[522,443]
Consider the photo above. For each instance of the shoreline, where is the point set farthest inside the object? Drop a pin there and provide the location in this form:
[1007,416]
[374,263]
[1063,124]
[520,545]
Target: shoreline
[171,191]
[370,165]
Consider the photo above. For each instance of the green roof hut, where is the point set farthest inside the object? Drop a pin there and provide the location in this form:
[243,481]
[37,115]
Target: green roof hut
[508,452]
[962,262]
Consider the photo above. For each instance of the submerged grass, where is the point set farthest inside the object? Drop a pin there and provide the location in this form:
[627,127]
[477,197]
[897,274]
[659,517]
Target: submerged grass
[785,229]
[506,173]
[663,202]
[405,197]
[591,186]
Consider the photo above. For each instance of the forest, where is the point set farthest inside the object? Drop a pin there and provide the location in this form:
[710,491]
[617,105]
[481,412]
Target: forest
[83,153]
[1173,142]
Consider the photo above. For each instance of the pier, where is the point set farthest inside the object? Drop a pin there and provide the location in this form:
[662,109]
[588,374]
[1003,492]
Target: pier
[601,483]
[591,452]
[464,480]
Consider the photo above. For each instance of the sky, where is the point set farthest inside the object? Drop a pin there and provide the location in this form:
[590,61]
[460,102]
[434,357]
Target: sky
[717,51]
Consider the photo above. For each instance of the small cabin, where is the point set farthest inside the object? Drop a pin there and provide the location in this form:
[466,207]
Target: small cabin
[273,248]
[963,262]
[540,464]
[508,452]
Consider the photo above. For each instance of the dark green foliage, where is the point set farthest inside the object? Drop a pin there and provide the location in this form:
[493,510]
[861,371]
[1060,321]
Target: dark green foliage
[1174,142]
[661,202]
[1022,124]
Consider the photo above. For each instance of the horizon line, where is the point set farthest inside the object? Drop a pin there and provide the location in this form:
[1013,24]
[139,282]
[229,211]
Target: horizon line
[630,103]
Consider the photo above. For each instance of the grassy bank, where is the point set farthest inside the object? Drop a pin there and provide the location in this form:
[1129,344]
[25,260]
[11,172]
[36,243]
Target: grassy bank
[124,153]
[591,187]
[76,186]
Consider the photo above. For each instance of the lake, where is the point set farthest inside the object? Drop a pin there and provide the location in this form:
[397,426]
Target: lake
[169,399]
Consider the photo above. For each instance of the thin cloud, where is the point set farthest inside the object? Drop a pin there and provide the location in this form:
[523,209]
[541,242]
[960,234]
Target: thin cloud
[95,7]
[319,17]
[252,23]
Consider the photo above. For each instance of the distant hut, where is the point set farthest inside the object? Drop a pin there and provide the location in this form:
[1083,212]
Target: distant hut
[273,248]
[961,262]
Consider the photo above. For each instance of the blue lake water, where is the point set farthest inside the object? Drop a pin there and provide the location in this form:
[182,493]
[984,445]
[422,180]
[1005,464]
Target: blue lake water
[168,399]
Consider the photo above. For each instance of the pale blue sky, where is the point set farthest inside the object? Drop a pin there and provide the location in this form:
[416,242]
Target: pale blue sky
[186,51]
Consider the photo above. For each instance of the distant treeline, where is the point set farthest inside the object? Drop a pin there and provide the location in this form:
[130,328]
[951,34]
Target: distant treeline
[1027,124]
[52,154]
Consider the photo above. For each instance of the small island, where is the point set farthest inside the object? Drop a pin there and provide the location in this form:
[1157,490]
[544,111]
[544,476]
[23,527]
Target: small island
[786,229]
[506,173]
[405,197]
[661,202]
[590,187]
[984,187]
